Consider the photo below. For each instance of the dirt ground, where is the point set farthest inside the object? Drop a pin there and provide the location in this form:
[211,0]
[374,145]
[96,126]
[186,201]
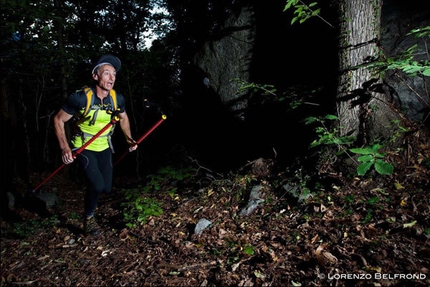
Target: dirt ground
[350,232]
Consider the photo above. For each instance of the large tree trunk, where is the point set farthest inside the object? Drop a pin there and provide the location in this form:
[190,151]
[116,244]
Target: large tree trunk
[362,112]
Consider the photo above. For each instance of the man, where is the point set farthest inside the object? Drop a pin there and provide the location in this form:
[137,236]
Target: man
[96,159]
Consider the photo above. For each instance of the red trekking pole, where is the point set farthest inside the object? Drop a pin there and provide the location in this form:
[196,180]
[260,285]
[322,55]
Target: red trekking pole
[163,117]
[84,146]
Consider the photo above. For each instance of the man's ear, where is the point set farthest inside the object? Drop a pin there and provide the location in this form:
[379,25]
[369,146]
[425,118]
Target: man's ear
[95,77]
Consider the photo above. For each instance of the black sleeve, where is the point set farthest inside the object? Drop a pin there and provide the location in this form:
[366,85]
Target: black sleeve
[120,102]
[74,103]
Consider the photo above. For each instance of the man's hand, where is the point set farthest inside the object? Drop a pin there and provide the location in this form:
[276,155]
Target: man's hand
[132,143]
[67,156]
[132,148]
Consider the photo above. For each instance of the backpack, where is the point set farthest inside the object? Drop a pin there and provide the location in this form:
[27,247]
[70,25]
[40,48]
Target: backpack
[79,118]
[90,99]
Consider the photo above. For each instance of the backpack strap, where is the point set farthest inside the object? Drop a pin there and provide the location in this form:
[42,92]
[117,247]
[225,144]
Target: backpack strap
[114,106]
[90,99]
[113,99]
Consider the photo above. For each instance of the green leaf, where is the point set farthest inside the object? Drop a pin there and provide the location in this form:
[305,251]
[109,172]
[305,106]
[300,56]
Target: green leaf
[288,6]
[248,249]
[310,120]
[376,147]
[364,167]
[316,12]
[366,150]
[331,117]
[426,72]
[379,155]
[365,158]
[383,167]
[411,69]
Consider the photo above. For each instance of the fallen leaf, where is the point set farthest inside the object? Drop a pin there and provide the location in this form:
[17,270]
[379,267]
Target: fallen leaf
[409,224]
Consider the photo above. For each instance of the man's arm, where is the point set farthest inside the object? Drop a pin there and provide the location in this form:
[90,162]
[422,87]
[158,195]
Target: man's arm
[125,127]
[66,152]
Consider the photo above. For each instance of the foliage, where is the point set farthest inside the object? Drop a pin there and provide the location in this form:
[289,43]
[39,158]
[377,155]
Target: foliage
[75,215]
[420,32]
[367,203]
[249,249]
[331,136]
[305,191]
[303,11]
[236,252]
[28,228]
[165,176]
[371,157]
[400,130]
[406,60]
[253,88]
[327,136]
[139,206]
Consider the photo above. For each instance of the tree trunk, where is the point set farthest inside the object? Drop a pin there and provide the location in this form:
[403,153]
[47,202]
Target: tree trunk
[362,112]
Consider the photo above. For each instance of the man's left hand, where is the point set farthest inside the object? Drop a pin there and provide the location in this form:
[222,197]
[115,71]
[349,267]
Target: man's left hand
[132,148]
[132,143]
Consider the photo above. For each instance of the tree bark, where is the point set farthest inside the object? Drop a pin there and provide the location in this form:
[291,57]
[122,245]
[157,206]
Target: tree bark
[362,112]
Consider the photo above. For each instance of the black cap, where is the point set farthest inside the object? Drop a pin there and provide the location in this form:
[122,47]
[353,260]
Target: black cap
[110,60]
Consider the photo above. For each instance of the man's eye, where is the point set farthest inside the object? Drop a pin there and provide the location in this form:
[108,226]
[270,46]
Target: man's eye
[107,74]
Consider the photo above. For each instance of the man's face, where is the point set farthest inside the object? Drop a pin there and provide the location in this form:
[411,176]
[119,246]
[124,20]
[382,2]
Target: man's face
[106,76]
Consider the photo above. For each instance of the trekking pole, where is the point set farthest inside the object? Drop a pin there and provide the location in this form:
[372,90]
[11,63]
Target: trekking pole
[163,117]
[114,119]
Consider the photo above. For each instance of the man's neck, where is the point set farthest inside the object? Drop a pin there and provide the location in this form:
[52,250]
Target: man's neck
[101,93]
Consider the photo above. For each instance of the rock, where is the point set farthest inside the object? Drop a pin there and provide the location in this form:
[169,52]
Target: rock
[50,199]
[201,225]
[256,197]
[252,205]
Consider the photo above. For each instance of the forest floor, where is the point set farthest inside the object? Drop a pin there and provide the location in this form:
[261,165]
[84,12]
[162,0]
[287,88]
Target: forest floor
[367,231]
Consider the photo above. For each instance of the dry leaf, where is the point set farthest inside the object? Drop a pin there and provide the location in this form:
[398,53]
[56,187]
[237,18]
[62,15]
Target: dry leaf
[324,257]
